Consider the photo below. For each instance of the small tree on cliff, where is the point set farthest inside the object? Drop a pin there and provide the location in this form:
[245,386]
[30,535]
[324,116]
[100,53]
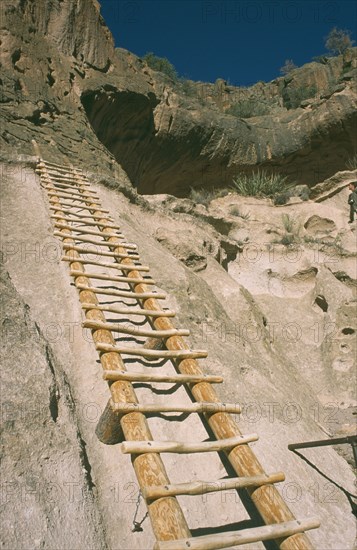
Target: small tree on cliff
[161,64]
[288,66]
[338,41]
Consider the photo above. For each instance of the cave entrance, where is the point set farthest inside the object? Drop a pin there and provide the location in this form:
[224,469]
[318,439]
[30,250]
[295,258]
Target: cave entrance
[124,123]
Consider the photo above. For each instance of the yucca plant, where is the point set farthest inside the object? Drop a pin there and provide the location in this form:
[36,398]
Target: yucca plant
[259,183]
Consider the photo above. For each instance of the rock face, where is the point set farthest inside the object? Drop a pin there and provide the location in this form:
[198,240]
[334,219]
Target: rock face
[62,79]
[181,143]
[279,326]
[269,291]
[46,480]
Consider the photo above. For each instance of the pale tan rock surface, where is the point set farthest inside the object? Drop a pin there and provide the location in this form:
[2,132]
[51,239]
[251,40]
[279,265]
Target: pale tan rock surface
[290,389]
[269,291]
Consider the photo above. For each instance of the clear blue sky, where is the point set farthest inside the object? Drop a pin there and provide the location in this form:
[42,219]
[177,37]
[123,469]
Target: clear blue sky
[242,41]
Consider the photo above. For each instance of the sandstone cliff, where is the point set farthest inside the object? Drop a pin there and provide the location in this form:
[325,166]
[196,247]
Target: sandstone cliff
[269,291]
[62,79]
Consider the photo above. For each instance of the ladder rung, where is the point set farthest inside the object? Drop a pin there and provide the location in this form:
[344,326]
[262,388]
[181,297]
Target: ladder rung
[120,267]
[122,293]
[60,168]
[63,167]
[103,277]
[165,354]
[134,331]
[74,197]
[48,174]
[89,223]
[92,241]
[62,186]
[173,378]
[191,408]
[225,540]
[129,311]
[82,217]
[69,194]
[69,246]
[139,447]
[203,487]
[71,205]
[85,230]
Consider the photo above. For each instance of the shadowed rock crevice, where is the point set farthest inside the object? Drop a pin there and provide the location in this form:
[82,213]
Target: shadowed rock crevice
[54,390]
[124,123]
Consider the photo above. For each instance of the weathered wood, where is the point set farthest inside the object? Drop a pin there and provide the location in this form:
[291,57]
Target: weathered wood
[62,185]
[73,196]
[108,429]
[81,206]
[90,223]
[116,266]
[103,277]
[129,311]
[165,354]
[80,239]
[87,231]
[139,447]
[82,218]
[53,187]
[154,343]
[69,194]
[122,293]
[135,331]
[267,499]
[166,515]
[168,378]
[59,167]
[212,408]
[226,540]
[69,246]
[203,487]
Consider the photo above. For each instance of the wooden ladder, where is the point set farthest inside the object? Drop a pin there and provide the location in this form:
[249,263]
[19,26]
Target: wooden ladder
[91,238]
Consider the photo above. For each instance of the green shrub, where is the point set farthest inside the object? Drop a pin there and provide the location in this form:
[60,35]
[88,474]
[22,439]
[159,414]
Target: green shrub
[288,223]
[187,87]
[161,64]
[292,97]
[321,59]
[281,199]
[287,239]
[259,183]
[247,108]
[235,211]
[204,196]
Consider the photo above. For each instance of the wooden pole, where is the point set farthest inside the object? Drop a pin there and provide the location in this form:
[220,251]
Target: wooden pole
[278,531]
[167,519]
[200,487]
[267,498]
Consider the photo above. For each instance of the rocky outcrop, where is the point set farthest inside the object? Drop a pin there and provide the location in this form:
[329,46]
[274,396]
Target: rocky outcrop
[46,484]
[62,79]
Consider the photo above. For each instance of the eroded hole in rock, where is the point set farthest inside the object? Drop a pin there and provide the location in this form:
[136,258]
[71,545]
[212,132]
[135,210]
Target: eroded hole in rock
[321,302]
[124,123]
[160,151]
[15,57]
[318,225]
[17,85]
[348,330]
[50,79]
